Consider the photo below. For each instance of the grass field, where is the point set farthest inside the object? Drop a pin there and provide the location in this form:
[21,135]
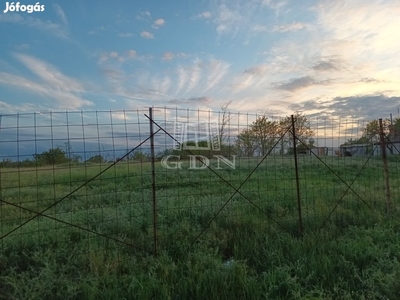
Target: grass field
[212,243]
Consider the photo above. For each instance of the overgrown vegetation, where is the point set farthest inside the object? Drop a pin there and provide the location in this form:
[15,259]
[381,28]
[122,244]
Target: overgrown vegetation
[350,248]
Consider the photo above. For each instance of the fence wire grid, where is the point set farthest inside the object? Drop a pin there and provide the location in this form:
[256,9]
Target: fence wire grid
[136,179]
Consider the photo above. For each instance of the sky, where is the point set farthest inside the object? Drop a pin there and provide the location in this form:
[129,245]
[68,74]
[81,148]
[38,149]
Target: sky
[323,58]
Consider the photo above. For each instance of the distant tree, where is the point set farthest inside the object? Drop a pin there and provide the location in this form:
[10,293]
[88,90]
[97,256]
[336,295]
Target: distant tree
[225,119]
[51,157]
[97,159]
[395,127]
[139,156]
[303,130]
[246,143]
[371,130]
[72,157]
[162,153]
[265,134]
[361,140]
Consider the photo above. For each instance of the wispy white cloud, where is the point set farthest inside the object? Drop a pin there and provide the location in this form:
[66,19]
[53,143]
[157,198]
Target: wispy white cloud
[227,19]
[113,56]
[54,29]
[60,13]
[260,28]
[50,74]
[168,56]
[296,84]
[125,34]
[275,5]
[216,71]
[143,16]
[295,26]
[62,89]
[193,101]
[146,35]
[18,108]
[204,15]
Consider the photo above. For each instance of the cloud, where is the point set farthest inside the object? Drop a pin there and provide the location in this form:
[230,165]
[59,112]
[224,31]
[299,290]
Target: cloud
[60,13]
[204,15]
[18,108]
[369,80]
[260,28]
[274,5]
[193,100]
[327,65]
[158,23]
[113,54]
[256,70]
[372,106]
[296,26]
[131,54]
[143,16]
[63,90]
[146,35]
[125,35]
[299,83]
[120,57]
[238,18]
[227,20]
[54,29]
[168,56]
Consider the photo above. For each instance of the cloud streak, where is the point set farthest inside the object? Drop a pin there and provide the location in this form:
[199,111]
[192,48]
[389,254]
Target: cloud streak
[63,90]
[54,29]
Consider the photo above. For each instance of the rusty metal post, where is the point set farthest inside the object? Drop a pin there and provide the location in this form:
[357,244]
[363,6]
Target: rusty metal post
[153,181]
[385,166]
[297,176]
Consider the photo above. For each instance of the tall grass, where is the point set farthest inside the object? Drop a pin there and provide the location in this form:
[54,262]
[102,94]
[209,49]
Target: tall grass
[252,249]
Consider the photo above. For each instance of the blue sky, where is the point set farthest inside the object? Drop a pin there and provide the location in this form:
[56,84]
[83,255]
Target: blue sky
[336,58]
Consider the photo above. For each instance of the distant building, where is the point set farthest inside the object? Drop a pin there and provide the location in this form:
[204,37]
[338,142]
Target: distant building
[392,144]
[355,150]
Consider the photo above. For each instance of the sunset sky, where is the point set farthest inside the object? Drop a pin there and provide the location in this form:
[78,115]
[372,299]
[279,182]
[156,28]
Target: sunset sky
[324,58]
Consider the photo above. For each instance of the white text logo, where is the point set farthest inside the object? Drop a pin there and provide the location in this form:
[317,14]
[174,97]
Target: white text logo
[24,8]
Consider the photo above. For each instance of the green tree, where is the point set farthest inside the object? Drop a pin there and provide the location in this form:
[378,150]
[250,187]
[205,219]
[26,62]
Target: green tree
[265,134]
[395,129]
[97,159]
[224,120]
[303,129]
[371,130]
[72,157]
[361,140]
[246,143]
[139,156]
[53,156]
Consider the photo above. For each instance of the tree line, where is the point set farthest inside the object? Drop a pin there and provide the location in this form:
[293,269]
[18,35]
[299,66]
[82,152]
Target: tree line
[371,131]
[258,138]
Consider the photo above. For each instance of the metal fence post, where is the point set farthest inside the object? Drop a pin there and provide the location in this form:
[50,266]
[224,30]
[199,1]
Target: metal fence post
[297,176]
[153,181]
[385,166]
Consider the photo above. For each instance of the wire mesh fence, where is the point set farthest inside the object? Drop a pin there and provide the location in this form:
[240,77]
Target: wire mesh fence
[139,179]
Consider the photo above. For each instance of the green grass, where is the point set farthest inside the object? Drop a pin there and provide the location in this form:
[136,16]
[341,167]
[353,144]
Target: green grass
[251,250]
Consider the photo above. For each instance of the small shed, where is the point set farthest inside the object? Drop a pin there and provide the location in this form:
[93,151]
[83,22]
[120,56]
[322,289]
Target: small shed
[318,151]
[392,144]
[355,150]
[391,148]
